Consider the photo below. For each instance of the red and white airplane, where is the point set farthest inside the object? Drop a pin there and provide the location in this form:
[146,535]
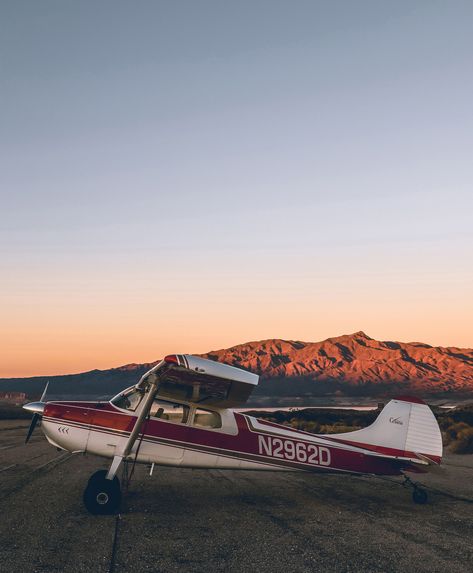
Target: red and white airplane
[180,414]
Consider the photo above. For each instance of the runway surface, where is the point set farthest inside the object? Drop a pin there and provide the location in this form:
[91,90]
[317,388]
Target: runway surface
[195,520]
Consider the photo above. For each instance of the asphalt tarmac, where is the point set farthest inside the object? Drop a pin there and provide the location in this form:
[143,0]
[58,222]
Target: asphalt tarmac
[195,520]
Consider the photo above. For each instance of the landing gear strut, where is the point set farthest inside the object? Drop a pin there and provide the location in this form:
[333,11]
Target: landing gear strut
[419,495]
[102,496]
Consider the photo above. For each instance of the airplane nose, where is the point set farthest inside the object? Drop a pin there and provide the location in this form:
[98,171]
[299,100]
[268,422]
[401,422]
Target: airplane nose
[35,407]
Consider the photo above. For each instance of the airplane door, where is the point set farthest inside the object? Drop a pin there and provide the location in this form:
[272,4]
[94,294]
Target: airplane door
[166,433]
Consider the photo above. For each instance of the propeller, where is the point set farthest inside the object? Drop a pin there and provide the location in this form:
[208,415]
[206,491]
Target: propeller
[37,408]
[43,395]
[34,421]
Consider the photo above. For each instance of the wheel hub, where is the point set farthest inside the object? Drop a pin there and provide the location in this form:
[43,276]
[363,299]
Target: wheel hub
[102,498]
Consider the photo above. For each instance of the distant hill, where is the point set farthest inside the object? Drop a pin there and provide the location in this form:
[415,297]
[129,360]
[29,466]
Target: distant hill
[96,382]
[354,364]
[349,365]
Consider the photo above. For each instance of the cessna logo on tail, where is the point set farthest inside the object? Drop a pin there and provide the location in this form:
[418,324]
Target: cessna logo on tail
[396,421]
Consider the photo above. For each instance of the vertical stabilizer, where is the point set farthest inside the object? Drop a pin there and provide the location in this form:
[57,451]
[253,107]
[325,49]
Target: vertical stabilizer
[406,427]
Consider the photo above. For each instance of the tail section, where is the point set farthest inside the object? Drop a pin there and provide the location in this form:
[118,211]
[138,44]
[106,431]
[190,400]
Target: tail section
[406,427]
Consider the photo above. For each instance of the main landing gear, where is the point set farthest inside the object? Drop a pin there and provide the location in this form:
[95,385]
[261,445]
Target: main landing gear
[419,495]
[102,496]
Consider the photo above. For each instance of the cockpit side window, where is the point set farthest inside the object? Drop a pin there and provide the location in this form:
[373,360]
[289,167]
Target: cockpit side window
[128,400]
[169,411]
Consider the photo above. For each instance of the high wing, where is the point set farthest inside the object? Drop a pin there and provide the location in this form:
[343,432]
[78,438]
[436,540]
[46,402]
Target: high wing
[195,379]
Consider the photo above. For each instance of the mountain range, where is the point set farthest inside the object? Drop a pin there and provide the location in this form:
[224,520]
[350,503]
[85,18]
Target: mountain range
[354,364]
[348,365]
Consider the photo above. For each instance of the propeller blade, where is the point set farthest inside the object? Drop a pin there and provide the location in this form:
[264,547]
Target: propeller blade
[43,396]
[37,408]
[34,421]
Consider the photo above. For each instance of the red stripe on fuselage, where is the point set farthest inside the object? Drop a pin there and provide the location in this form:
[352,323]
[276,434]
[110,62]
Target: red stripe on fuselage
[245,443]
[383,450]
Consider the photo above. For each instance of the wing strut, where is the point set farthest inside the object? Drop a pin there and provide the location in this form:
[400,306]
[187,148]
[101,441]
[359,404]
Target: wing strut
[152,379]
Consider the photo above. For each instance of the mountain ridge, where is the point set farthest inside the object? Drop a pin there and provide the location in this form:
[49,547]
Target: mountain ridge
[347,364]
[357,359]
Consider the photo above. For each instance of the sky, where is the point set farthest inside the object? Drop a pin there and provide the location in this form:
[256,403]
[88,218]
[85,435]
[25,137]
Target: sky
[181,176]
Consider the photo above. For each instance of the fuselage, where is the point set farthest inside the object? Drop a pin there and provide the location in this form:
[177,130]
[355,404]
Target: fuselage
[205,438]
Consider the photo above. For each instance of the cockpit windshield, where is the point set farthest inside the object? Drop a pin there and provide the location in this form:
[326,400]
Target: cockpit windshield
[128,400]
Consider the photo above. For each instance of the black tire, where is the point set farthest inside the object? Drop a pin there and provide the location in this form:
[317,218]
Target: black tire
[97,476]
[419,495]
[102,496]
[100,475]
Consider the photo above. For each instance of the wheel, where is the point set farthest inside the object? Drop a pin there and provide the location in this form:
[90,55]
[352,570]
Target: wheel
[102,496]
[419,495]
[100,475]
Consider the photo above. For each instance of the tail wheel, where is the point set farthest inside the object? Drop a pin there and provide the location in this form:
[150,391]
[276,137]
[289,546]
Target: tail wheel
[419,495]
[102,496]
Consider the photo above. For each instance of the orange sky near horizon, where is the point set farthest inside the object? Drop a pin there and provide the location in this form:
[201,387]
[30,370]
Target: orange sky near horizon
[69,350]
[61,324]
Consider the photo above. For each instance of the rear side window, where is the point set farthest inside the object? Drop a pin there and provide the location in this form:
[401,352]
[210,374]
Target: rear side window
[207,419]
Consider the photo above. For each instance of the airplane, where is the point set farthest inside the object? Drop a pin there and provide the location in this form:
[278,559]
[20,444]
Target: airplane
[181,413]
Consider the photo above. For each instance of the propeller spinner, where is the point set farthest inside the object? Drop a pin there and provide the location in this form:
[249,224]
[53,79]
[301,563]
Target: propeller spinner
[37,408]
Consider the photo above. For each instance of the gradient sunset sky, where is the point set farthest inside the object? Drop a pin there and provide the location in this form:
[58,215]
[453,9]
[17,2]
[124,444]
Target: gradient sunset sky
[185,176]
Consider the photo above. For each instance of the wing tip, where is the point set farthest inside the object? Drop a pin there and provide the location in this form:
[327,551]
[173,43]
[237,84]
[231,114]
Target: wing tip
[412,399]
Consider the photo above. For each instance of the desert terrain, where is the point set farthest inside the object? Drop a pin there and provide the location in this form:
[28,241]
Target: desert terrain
[195,520]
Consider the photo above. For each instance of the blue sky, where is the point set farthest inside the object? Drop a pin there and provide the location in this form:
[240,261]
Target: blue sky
[198,174]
